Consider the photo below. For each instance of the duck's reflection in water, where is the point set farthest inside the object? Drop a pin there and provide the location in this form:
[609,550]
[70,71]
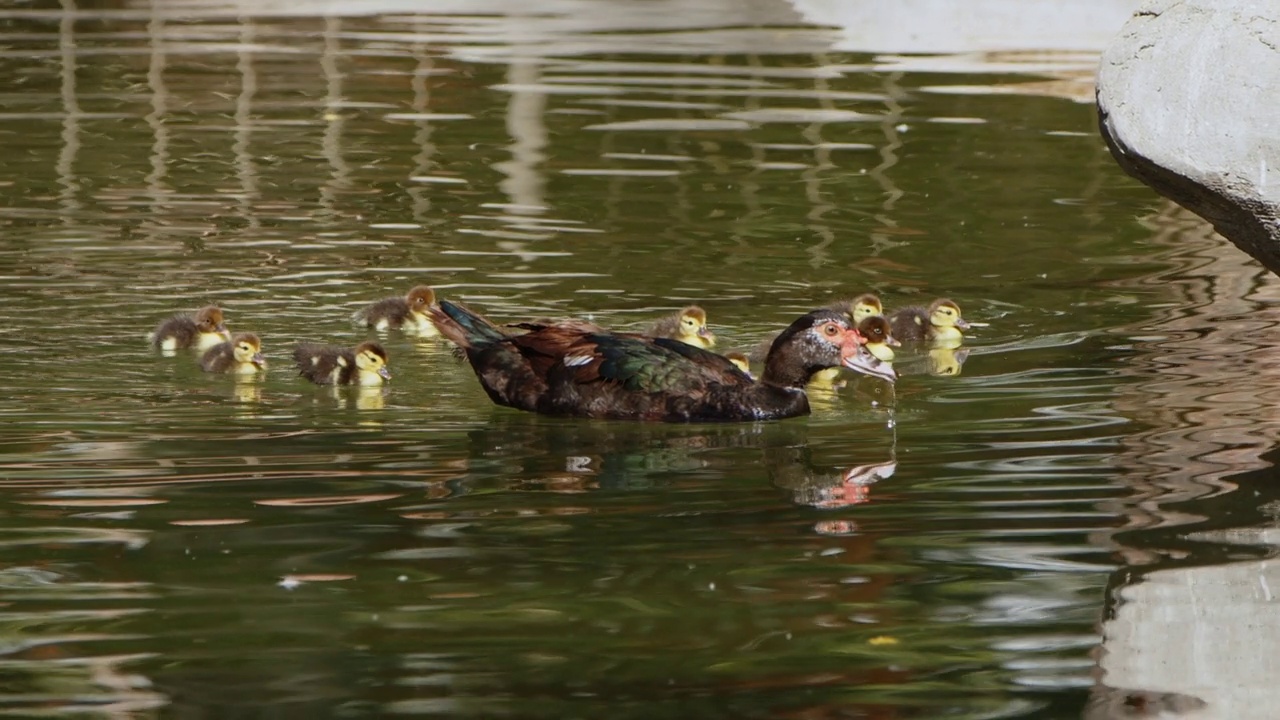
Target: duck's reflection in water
[793,469]
[573,456]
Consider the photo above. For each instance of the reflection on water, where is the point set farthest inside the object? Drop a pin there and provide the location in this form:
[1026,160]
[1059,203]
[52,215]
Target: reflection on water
[940,547]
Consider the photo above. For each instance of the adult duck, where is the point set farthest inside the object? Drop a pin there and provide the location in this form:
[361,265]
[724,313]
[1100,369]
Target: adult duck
[567,370]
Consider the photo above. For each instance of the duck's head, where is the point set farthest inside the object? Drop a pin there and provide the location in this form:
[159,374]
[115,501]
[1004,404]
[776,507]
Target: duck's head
[692,327]
[740,361]
[371,358]
[944,313]
[865,306]
[879,338]
[209,322]
[420,298]
[247,348]
[816,341]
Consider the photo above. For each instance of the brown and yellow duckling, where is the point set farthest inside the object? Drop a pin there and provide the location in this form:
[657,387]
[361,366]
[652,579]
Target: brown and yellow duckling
[860,308]
[689,326]
[365,364]
[940,322]
[202,331]
[241,355]
[408,313]
[879,334]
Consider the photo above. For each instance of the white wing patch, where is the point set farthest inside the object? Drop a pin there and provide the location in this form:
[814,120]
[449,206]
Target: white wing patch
[577,360]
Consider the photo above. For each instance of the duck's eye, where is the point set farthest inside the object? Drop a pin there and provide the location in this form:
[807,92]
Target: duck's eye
[831,330]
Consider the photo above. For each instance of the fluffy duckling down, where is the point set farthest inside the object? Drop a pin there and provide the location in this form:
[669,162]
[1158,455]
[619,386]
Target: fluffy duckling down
[241,355]
[365,364]
[941,322]
[408,313]
[201,331]
[689,326]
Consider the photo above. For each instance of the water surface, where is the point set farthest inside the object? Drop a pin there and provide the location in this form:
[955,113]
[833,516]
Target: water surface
[960,546]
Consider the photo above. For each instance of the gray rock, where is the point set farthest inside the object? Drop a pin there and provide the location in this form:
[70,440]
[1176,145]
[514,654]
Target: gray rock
[1189,103]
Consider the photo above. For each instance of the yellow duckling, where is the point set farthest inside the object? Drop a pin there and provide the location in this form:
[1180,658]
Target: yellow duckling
[879,337]
[740,361]
[408,313]
[859,308]
[241,355]
[689,326]
[201,331]
[365,364]
[940,322]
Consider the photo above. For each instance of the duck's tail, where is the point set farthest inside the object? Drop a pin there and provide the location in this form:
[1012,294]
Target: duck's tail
[464,327]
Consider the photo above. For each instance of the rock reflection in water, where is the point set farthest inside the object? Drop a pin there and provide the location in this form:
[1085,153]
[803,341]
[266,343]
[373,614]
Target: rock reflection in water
[1185,638]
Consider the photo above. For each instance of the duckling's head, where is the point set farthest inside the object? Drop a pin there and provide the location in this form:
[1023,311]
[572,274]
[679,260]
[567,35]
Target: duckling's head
[209,322]
[944,313]
[693,327]
[878,334]
[371,358]
[865,306]
[740,361]
[420,298]
[247,348]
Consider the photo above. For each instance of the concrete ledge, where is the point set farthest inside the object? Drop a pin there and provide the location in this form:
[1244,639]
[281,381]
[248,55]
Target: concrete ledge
[1187,102]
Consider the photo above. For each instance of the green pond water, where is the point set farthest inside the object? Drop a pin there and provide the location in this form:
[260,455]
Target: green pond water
[183,545]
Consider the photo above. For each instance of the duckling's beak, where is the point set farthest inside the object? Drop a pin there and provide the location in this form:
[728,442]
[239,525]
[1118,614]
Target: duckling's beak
[222,330]
[703,332]
[384,373]
[893,342]
[962,323]
[864,362]
[258,359]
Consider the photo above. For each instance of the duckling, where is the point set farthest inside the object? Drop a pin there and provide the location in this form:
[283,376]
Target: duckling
[202,331]
[879,335]
[689,326]
[408,313]
[241,355]
[859,308]
[365,364]
[740,360]
[940,322]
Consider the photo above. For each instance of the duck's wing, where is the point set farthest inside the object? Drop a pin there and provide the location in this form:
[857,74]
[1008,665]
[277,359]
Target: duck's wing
[636,364]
